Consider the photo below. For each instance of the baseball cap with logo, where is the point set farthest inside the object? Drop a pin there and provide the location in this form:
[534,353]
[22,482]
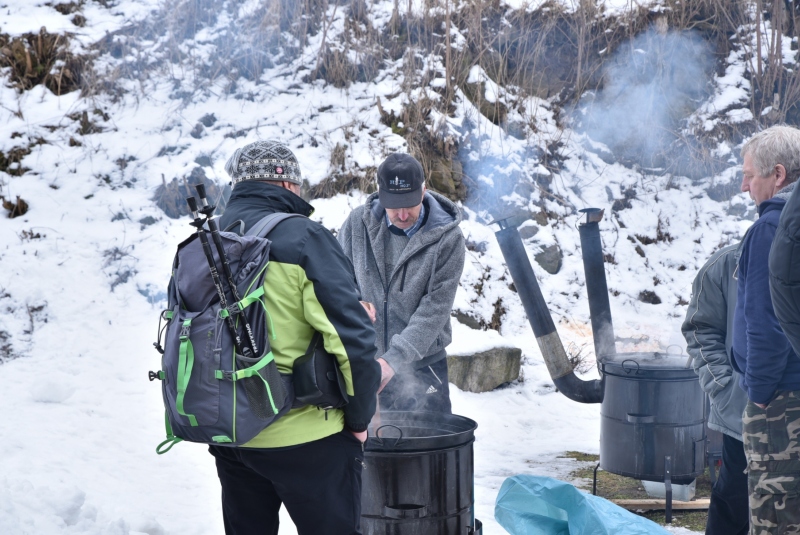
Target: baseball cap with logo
[400,181]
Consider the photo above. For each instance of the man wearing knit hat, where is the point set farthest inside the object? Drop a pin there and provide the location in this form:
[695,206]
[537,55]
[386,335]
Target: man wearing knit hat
[408,254]
[309,460]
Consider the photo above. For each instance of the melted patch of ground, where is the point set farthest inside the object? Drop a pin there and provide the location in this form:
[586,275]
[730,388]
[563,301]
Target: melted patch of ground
[614,487]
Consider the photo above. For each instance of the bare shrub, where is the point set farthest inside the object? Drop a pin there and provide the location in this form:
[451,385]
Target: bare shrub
[776,85]
[6,348]
[356,56]
[337,182]
[335,68]
[435,149]
[119,265]
[243,44]
[15,208]
[171,196]
[28,235]
[11,162]
[579,358]
[760,29]
[344,176]
[497,316]
[339,157]
[42,58]
[649,296]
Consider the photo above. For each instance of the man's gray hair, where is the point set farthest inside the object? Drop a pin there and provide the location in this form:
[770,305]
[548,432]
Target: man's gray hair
[776,145]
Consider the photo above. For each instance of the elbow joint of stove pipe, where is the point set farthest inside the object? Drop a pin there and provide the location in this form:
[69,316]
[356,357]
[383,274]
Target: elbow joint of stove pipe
[563,374]
[558,364]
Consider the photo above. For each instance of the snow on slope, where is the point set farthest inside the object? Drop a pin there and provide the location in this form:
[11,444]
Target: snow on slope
[83,271]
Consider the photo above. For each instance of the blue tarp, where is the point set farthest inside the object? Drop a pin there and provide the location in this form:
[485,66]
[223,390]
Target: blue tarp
[534,505]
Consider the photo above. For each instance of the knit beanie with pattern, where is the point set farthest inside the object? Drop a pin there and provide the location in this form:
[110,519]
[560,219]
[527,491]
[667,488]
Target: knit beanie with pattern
[264,160]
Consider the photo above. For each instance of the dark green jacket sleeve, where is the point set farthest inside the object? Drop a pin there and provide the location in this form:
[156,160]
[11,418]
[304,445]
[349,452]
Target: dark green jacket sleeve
[345,325]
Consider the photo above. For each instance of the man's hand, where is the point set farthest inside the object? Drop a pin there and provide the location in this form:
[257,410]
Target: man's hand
[361,435]
[370,308]
[387,372]
[760,406]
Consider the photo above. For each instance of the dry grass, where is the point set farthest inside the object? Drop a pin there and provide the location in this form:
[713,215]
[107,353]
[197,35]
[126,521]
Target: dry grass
[244,44]
[549,52]
[171,196]
[11,162]
[344,176]
[342,182]
[42,58]
[16,207]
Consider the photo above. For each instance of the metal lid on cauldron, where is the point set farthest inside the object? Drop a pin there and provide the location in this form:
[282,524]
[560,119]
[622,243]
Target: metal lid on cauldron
[400,431]
[648,365]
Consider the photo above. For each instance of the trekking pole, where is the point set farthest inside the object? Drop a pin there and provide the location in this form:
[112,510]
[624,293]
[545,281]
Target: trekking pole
[208,210]
[212,266]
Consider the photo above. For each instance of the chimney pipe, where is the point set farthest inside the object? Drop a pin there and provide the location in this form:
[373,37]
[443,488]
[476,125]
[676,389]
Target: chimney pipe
[541,321]
[596,287]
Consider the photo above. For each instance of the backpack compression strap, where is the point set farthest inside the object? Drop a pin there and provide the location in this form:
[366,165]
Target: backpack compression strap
[185,365]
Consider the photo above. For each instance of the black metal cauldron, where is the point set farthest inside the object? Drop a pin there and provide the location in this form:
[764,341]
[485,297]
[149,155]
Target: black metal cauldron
[418,477]
[653,408]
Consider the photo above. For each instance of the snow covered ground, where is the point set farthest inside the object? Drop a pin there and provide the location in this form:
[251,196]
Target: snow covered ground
[80,421]
[82,274]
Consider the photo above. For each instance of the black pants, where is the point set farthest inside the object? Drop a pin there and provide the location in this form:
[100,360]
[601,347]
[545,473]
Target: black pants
[729,511]
[425,389]
[318,482]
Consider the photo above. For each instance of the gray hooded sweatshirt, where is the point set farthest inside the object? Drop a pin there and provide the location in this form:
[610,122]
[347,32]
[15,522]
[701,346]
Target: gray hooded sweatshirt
[414,301]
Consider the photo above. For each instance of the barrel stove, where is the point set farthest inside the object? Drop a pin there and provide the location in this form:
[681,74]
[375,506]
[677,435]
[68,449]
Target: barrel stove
[652,418]
[418,477]
[652,414]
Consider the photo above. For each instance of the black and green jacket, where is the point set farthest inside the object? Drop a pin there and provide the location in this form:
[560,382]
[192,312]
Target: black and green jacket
[310,287]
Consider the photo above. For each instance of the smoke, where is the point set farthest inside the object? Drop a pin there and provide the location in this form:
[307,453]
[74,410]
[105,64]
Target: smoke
[650,87]
[502,173]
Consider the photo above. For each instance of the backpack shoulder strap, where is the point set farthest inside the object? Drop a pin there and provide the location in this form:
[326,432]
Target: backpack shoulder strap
[267,223]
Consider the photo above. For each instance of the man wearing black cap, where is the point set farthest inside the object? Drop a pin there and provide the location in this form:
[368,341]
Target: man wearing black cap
[408,254]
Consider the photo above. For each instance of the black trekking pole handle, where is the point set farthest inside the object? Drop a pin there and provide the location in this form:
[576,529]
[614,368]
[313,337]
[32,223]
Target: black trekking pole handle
[208,211]
[212,266]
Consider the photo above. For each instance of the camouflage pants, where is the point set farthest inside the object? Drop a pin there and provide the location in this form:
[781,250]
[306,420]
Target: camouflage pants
[772,445]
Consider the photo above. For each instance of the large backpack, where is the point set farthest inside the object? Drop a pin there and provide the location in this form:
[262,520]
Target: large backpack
[211,394]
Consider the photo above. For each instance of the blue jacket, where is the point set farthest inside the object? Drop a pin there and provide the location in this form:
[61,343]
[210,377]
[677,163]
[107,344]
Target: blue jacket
[761,351]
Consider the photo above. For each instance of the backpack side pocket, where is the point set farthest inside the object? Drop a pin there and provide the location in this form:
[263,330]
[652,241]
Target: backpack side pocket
[263,385]
[191,355]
